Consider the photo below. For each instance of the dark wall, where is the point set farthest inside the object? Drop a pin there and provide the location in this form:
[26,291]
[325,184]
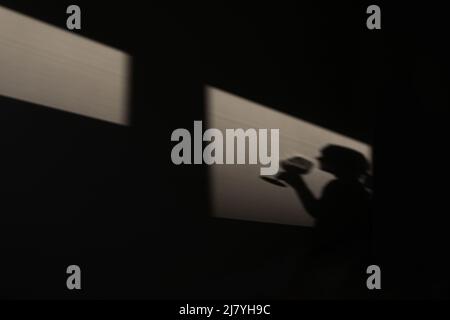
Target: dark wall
[80,191]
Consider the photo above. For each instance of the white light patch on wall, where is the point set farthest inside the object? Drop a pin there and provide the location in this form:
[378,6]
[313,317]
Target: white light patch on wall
[45,65]
[237,191]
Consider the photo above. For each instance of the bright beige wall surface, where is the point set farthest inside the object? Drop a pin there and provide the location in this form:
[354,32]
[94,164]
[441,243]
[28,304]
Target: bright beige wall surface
[237,190]
[42,64]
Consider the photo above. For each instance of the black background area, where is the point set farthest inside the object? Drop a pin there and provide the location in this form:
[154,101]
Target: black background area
[81,191]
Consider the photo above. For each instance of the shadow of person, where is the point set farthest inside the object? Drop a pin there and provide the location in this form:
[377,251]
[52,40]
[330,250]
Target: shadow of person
[342,228]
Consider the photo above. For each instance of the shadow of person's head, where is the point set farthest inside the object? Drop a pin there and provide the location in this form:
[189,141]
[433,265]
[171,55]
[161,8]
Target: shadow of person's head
[343,162]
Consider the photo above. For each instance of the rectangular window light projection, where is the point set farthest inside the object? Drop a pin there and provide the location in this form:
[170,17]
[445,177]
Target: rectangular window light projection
[237,191]
[48,66]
